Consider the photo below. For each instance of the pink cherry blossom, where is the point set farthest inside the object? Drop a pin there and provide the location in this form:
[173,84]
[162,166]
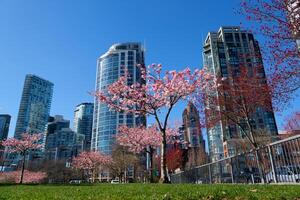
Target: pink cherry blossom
[91,161]
[137,139]
[29,177]
[28,142]
[157,98]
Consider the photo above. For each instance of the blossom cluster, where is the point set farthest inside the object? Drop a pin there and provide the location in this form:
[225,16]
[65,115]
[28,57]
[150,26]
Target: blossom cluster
[88,160]
[29,177]
[158,92]
[26,143]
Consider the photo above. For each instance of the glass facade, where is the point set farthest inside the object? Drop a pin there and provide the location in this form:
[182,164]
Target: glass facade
[110,67]
[223,51]
[83,121]
[4,126]
[35,106]
[61,142]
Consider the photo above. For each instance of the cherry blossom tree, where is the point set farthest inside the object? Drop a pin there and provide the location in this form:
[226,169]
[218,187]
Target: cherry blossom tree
[279,22]
[29,177]
[141,139]
[91,161]
[292,122]
[156,98]
[27,143]
[137,139]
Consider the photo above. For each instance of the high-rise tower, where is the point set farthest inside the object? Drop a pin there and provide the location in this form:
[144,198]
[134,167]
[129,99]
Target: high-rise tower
[227,51]
[35,106]
[83,122]
[193,137]
[110,66]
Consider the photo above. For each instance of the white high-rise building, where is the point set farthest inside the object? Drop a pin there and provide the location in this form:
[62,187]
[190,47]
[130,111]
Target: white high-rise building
[110,66]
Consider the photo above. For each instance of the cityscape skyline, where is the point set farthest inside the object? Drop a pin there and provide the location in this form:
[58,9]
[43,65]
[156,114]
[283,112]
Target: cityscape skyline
[144,94]
[64,88]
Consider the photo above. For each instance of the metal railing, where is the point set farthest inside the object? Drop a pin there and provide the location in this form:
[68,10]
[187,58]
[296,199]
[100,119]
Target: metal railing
[274,163]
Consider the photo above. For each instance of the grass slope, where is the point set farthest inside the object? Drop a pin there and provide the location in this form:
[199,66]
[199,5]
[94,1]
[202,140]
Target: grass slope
[149,191]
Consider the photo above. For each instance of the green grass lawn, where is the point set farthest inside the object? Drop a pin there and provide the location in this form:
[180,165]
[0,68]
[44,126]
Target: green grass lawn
[149,191]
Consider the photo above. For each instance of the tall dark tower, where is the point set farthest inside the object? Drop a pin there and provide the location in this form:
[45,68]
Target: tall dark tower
[226,50]
[193,136]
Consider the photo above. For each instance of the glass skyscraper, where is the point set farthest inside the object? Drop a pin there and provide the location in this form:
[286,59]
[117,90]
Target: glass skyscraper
[83,122]
[110,67]
[223,51]
[35,106]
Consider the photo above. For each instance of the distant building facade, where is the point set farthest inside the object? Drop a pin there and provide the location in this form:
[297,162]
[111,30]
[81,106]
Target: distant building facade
[4,128]
[222,51]
[83,122]
[61,142]
[110,67]
[35,106]
[196,154]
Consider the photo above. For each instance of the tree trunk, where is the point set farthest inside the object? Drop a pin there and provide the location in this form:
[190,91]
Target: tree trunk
[151,164]
[260,166]
[258,158]
[255,145]
[125,175]
[23,168]
[100,172]
[93,175]
[163,161]
[82,174]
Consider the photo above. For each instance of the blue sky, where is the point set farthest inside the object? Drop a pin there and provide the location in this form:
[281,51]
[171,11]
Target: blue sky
[60,40]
